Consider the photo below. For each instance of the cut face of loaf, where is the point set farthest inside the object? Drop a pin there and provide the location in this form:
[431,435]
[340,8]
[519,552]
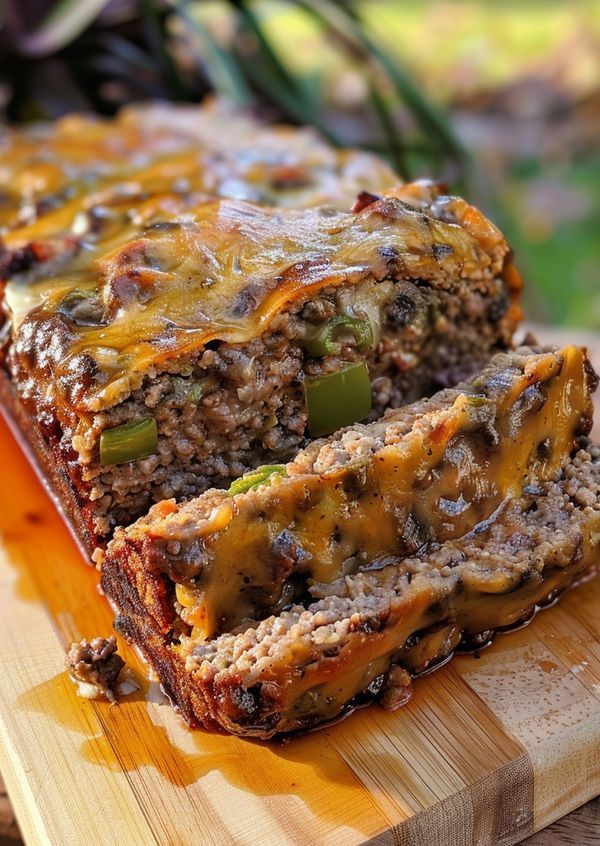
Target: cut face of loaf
[188,341]
[370,631]
[422,475]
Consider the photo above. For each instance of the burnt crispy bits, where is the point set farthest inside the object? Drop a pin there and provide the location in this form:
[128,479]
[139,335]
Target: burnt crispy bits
[364,199]
[401,310]
[22,258]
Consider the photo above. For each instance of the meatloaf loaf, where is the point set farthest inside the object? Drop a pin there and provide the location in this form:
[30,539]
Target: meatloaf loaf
[388,616]
[55,173]
[197,339]
[424,473]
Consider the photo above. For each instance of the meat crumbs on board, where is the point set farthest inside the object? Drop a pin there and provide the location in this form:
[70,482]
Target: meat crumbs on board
[95,667]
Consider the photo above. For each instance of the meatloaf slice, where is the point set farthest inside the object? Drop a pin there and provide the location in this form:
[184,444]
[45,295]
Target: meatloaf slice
[191,341]
[368,632]
[423,474]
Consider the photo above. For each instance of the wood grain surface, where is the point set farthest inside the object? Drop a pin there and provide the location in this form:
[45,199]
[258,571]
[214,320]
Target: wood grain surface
[582,826]
[488,751]
[579,828]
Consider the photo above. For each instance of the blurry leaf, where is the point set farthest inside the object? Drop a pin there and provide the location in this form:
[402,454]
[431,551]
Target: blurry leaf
[394,144]
[345,26]
[129,54]
[220,65]
[273,71]
[137,80]
[274,81]
[67,20]
[157,37]
[429,116]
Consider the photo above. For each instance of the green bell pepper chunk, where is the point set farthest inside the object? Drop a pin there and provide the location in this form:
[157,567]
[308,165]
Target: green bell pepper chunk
[338,399]
[256,478]
[192,390]
[128,442]
[477,400]
[323,342]
[197,391]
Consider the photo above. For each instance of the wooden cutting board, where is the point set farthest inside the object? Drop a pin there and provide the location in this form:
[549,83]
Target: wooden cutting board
[490,749]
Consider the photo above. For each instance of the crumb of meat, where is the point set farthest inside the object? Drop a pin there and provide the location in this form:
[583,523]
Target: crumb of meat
[397,688]
[127,683]
[95,667]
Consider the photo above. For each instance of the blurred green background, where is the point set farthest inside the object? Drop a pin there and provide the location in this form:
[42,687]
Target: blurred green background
[500,99]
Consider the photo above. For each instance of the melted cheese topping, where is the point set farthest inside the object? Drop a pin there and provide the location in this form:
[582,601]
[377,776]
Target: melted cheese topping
[179,272]
[324,686]
[79,200]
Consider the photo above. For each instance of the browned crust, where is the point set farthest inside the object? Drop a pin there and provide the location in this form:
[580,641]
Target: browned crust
[48,465]
[127,581]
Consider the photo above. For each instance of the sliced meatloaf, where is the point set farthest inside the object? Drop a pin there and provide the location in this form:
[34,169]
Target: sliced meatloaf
[423,474]
[367,633]
[197,339]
